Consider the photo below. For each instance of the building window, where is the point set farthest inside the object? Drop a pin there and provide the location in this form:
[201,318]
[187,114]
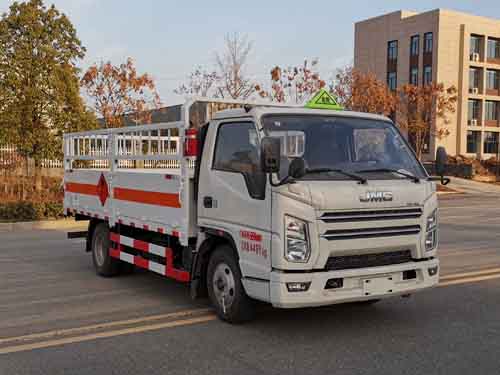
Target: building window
[474,106]
[491,111]
[427,75]
[475,46]
[392,50]
[473,139]
[493,48]
[493,79]
[428,43]
[414,45]
[474,78]
[490,145]
[392,80]
[414,76]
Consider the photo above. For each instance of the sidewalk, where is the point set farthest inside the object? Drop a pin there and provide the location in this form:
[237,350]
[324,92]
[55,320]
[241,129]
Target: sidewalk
[473,187]
[63,224]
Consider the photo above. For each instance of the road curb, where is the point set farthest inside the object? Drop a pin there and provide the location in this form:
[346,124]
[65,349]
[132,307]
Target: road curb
[42,225]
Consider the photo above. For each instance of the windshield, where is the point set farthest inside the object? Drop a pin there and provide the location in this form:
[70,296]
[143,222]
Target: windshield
[372,148]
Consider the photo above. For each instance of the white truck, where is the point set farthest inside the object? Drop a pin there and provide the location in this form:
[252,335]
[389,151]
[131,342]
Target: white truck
[293,206]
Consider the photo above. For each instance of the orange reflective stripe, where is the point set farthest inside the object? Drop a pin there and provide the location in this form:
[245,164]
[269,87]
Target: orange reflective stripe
[76,187]
[147,197]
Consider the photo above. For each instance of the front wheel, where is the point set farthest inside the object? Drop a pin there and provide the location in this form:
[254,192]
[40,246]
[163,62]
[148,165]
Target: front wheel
[225,289]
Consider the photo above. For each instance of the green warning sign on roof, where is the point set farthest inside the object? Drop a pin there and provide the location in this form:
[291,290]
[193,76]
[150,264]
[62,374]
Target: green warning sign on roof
[323,100]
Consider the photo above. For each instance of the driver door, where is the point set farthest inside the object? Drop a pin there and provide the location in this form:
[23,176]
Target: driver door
[233,193]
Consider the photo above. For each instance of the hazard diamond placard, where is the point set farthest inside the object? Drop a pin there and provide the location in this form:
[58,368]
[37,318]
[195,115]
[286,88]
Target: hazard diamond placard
[323,100]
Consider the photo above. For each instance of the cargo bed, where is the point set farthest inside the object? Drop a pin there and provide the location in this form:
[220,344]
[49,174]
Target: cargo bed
[137,176]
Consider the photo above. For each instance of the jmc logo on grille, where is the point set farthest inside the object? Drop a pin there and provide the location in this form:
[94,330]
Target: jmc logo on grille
[376,196]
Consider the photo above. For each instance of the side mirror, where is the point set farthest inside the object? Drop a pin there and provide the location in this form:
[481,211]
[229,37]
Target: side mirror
[441,160]
[297,168]
[270,154]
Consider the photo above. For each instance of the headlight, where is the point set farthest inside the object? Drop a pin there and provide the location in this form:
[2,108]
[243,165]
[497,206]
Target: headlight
[297,247]
[431,240]
[432,220]
[431,231]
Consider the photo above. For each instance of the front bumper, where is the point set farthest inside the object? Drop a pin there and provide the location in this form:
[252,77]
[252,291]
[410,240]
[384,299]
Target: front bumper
[383,282]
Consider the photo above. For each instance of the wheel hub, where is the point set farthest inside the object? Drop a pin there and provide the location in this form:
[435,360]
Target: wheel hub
[100,254]
[223,286]
[220,284]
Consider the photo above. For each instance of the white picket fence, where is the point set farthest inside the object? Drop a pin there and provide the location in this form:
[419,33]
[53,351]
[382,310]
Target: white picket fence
[9,157]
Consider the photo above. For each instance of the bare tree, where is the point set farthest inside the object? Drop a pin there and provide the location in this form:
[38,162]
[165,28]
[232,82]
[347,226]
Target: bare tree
[231,68]
[202,82]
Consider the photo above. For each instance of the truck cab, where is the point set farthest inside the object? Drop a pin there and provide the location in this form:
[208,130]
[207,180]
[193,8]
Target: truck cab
[345,212]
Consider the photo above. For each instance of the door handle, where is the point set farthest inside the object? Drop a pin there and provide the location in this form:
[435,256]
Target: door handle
[208,202]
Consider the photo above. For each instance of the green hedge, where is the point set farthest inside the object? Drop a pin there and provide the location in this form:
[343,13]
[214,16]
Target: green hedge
[27,211]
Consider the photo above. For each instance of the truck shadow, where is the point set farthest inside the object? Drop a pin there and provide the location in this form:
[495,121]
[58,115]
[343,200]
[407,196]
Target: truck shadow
[394,312]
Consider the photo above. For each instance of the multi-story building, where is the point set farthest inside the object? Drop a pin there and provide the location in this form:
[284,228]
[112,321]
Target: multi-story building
[447,47]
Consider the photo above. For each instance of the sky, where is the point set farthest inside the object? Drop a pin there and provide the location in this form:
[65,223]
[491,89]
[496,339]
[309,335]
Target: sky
[168,38]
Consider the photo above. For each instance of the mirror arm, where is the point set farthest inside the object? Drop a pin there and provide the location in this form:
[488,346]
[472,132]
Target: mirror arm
[442,179]
[286,180]
[271,181]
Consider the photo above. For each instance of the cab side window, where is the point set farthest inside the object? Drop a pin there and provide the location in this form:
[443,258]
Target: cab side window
[237,151]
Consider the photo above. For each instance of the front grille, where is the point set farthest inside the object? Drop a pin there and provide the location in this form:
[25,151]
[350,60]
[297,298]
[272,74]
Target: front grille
[348,234]
[367,260]
[370,215]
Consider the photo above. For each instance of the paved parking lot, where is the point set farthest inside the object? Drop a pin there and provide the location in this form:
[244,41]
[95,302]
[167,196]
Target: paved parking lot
[78,323]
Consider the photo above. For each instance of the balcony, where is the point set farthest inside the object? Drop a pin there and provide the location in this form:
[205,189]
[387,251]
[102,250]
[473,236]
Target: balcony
[494,60]
[491,123]
[493,51]
[493,92]
[493,82]
[492,113]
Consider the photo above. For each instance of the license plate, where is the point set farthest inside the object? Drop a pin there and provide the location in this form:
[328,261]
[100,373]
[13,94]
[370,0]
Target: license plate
[378,285]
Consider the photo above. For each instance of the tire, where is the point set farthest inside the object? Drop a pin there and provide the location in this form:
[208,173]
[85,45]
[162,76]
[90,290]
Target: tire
[224,284]
[104,264]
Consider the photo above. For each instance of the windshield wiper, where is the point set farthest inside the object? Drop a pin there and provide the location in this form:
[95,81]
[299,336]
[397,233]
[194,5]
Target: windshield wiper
[389,170]
[357,177]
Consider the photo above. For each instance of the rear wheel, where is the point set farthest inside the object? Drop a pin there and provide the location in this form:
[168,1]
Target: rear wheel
[225,289]
[104,264]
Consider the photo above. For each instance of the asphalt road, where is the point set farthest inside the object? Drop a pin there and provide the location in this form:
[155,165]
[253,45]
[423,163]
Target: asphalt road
[470,233]
[79,323]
